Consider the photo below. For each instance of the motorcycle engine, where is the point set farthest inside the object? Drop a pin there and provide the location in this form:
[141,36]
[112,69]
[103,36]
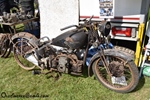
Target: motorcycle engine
[68,63]
[80,54]
[63,64]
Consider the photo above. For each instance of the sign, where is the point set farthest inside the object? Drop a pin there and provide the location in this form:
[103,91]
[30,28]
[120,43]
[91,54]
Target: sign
[106,8]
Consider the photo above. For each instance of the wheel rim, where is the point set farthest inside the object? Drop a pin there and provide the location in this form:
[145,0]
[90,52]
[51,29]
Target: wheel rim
[4,48]
[20,49]
[102,75]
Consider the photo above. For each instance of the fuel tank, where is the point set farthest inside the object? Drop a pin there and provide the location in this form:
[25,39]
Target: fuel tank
[73,39]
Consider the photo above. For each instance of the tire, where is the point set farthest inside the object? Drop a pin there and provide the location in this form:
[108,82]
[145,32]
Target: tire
[23,42]
[125,50]
[118,67]
[5,49]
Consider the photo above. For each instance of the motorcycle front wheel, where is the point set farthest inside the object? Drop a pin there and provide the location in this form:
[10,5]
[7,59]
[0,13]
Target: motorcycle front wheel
[117,74]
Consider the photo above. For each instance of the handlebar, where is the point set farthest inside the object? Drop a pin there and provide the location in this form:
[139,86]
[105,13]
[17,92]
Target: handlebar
[76,25]
[68,27]
[90,18]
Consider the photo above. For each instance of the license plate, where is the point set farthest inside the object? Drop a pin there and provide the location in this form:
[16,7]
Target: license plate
[119,80]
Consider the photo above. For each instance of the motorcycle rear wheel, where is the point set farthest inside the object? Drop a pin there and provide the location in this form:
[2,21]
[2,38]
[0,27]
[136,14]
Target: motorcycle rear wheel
[20,47]
[120,69]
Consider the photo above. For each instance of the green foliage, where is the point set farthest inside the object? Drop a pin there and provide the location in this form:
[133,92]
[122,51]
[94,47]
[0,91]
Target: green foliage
[19,27]
[14,79]
[149,14]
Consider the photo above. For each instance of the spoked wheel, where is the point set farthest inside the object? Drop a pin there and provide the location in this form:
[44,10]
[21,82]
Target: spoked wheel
[5,49]
[22,50]
[125,50]
[120,75]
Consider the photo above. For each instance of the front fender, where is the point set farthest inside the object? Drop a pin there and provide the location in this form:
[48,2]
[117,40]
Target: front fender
[111,52]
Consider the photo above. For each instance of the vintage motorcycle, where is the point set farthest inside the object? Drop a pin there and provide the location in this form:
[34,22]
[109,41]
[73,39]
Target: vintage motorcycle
[74,50]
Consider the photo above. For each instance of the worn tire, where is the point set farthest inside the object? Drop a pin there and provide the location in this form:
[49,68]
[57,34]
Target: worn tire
[102,75]
[125,50]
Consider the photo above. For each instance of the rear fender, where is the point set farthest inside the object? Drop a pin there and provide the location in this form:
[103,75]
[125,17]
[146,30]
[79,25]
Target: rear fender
[31,38]
[112,52]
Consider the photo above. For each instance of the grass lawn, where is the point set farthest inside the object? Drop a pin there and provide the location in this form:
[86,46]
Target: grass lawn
[19,84]
[15,81]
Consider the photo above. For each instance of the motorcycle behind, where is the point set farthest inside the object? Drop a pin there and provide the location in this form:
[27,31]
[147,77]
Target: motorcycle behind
[84,46]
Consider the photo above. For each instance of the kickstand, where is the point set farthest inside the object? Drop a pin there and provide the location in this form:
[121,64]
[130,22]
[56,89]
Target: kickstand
[55,75]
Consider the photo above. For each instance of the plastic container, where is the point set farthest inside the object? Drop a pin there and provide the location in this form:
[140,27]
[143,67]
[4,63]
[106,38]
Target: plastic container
[146,71]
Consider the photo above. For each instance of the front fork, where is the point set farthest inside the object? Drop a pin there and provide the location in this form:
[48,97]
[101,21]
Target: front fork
[104,61]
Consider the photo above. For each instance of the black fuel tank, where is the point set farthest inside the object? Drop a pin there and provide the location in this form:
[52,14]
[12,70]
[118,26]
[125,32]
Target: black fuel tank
[73,39]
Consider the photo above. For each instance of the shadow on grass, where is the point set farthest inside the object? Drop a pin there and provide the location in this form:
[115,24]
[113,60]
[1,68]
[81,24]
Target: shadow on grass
[140,84]
[37,71]
[84,74]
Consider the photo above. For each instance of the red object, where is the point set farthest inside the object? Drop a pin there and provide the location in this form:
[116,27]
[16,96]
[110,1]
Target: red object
[121,31]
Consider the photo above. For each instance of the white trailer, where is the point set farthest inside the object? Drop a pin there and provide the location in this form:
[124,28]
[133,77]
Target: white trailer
[128,23]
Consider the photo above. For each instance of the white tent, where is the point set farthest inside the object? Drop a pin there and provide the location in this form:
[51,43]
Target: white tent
[56,14]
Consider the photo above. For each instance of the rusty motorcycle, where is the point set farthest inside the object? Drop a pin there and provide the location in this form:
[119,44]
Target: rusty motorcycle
[112,68]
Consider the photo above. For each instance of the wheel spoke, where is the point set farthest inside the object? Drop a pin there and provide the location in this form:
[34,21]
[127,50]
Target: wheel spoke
[20,48]
[123,77]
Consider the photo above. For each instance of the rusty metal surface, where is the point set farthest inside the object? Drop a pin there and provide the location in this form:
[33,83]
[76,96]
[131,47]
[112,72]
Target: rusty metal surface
[19,22]
[116,68]
[23,43]
[4,45]
[31,38]
[6,39]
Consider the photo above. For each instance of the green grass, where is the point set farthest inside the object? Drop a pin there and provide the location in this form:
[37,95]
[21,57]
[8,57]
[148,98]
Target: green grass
[14,79]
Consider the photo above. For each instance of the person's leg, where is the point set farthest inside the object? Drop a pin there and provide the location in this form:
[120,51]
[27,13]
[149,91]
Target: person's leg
[4,7]
[28,6]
